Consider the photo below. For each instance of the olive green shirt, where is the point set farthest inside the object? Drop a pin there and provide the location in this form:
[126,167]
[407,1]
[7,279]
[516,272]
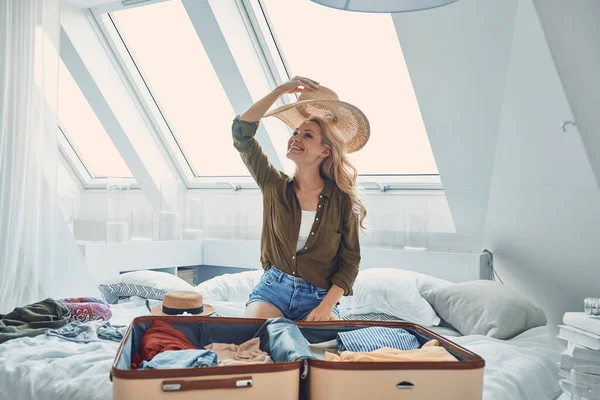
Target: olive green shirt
[331,254]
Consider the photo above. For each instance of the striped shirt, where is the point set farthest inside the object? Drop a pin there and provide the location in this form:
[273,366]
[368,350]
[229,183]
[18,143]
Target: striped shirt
[375,338]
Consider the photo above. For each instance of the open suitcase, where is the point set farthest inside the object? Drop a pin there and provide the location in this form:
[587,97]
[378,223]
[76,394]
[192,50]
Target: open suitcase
[307,378]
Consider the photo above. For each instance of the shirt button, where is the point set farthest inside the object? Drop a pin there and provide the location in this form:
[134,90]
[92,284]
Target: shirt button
[321,196]
[306,248]
[317,219]
[293,257]
[312,233]
[294,272]
[319,206]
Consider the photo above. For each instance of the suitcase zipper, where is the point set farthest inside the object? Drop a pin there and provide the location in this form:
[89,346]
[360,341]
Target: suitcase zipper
[304,370]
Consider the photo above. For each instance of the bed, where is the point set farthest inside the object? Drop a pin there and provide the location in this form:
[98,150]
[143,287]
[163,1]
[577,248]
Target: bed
[48,368]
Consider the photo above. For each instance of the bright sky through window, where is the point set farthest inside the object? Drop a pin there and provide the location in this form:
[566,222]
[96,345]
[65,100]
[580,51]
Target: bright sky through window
[176,67]
[85,130]
[358,56]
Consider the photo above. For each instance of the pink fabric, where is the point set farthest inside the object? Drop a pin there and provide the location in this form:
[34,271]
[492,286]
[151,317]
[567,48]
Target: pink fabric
[86,309]
[246,353]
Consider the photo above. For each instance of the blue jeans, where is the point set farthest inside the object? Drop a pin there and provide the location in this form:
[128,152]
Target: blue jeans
[293,296]
[181,359]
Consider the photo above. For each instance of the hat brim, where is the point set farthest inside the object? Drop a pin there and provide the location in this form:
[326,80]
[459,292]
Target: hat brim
[157,310]
[352,124]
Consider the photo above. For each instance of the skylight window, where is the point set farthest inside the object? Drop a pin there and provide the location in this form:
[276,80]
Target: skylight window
[177,71]
[358,56]
[85,132]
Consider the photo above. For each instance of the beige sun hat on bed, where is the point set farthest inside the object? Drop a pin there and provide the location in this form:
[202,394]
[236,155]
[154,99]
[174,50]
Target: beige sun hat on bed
[179,302]
[344,118]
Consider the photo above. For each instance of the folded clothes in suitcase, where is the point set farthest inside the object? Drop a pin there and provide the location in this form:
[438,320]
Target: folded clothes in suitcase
[295,371]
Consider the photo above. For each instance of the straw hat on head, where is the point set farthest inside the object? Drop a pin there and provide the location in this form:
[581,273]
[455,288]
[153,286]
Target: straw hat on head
[344,118]
[178,302]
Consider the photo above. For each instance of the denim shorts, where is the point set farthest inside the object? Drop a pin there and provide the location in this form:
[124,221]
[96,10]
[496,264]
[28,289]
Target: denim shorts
[293,296]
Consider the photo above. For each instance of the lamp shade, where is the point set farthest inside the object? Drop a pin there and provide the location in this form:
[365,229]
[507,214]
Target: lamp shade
[383,6]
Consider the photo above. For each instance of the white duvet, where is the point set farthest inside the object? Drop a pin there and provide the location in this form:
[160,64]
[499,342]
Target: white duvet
[525,367]
[48,368]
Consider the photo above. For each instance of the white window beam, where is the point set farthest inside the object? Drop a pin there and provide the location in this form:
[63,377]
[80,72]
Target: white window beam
[72,163]
[217,49]
[92,65]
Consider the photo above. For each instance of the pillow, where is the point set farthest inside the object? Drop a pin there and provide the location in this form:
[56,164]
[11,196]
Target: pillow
[370,317]
[485,308]
[155,279]
[113,292]
[424,282]
[147,284]
[234,287]
[392,292]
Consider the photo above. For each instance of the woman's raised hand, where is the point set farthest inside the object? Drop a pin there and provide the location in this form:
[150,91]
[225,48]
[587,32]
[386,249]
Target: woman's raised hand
[297,84]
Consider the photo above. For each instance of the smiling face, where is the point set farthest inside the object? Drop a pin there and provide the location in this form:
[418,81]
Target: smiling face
[306,144]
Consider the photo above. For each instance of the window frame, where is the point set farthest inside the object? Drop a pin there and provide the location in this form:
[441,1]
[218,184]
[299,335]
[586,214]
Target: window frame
[276,71]
[282,72]
[69,153]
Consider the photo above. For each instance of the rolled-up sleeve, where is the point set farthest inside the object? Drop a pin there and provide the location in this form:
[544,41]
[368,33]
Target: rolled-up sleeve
[263,172]
[349,258]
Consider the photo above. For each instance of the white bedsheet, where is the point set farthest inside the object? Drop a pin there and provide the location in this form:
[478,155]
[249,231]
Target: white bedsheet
[525,367]
[48,368]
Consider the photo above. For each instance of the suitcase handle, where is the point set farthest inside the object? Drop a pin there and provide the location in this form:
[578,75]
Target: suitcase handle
[405,385]
[229,383]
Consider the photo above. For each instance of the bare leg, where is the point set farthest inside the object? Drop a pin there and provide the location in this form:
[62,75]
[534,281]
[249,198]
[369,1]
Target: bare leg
[259,309]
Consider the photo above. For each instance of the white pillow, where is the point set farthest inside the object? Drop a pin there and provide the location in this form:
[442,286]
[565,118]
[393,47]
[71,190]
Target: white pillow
[393,292]
[154,279]
[424,282]
[234,287]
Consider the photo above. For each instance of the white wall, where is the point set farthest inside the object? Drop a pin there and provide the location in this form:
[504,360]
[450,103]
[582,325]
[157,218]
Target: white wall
[490,90]
[573,35]
[543,221]
[457,57]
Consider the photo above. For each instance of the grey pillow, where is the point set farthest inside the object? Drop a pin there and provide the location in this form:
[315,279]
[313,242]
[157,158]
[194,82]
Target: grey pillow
[112,292]
[485,308]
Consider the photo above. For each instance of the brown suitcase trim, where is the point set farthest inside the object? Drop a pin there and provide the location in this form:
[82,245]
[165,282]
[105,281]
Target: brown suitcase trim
[473,360]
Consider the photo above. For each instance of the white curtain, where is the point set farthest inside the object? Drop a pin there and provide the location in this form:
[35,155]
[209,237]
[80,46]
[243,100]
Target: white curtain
[29,56]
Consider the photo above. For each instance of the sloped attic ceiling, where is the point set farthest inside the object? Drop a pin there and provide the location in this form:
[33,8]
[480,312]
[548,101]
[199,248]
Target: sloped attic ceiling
[458,56]
[495,81]
[577,58]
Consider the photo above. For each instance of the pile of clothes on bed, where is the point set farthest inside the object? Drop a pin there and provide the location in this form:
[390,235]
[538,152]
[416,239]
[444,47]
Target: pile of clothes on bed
[83,319]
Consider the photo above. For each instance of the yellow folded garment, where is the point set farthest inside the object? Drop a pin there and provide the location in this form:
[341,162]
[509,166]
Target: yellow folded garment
[431,351]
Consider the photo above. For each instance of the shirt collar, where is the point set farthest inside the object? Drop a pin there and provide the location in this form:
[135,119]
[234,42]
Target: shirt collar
[327,186]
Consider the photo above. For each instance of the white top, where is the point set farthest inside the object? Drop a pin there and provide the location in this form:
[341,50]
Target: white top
[308,217]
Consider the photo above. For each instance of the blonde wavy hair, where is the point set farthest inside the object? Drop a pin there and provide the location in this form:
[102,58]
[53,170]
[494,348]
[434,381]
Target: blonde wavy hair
[338,168]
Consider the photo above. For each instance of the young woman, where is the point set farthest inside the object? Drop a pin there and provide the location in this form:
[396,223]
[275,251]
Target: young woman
[310,239]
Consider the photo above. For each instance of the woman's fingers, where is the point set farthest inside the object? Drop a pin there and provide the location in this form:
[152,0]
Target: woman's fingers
[307,82]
